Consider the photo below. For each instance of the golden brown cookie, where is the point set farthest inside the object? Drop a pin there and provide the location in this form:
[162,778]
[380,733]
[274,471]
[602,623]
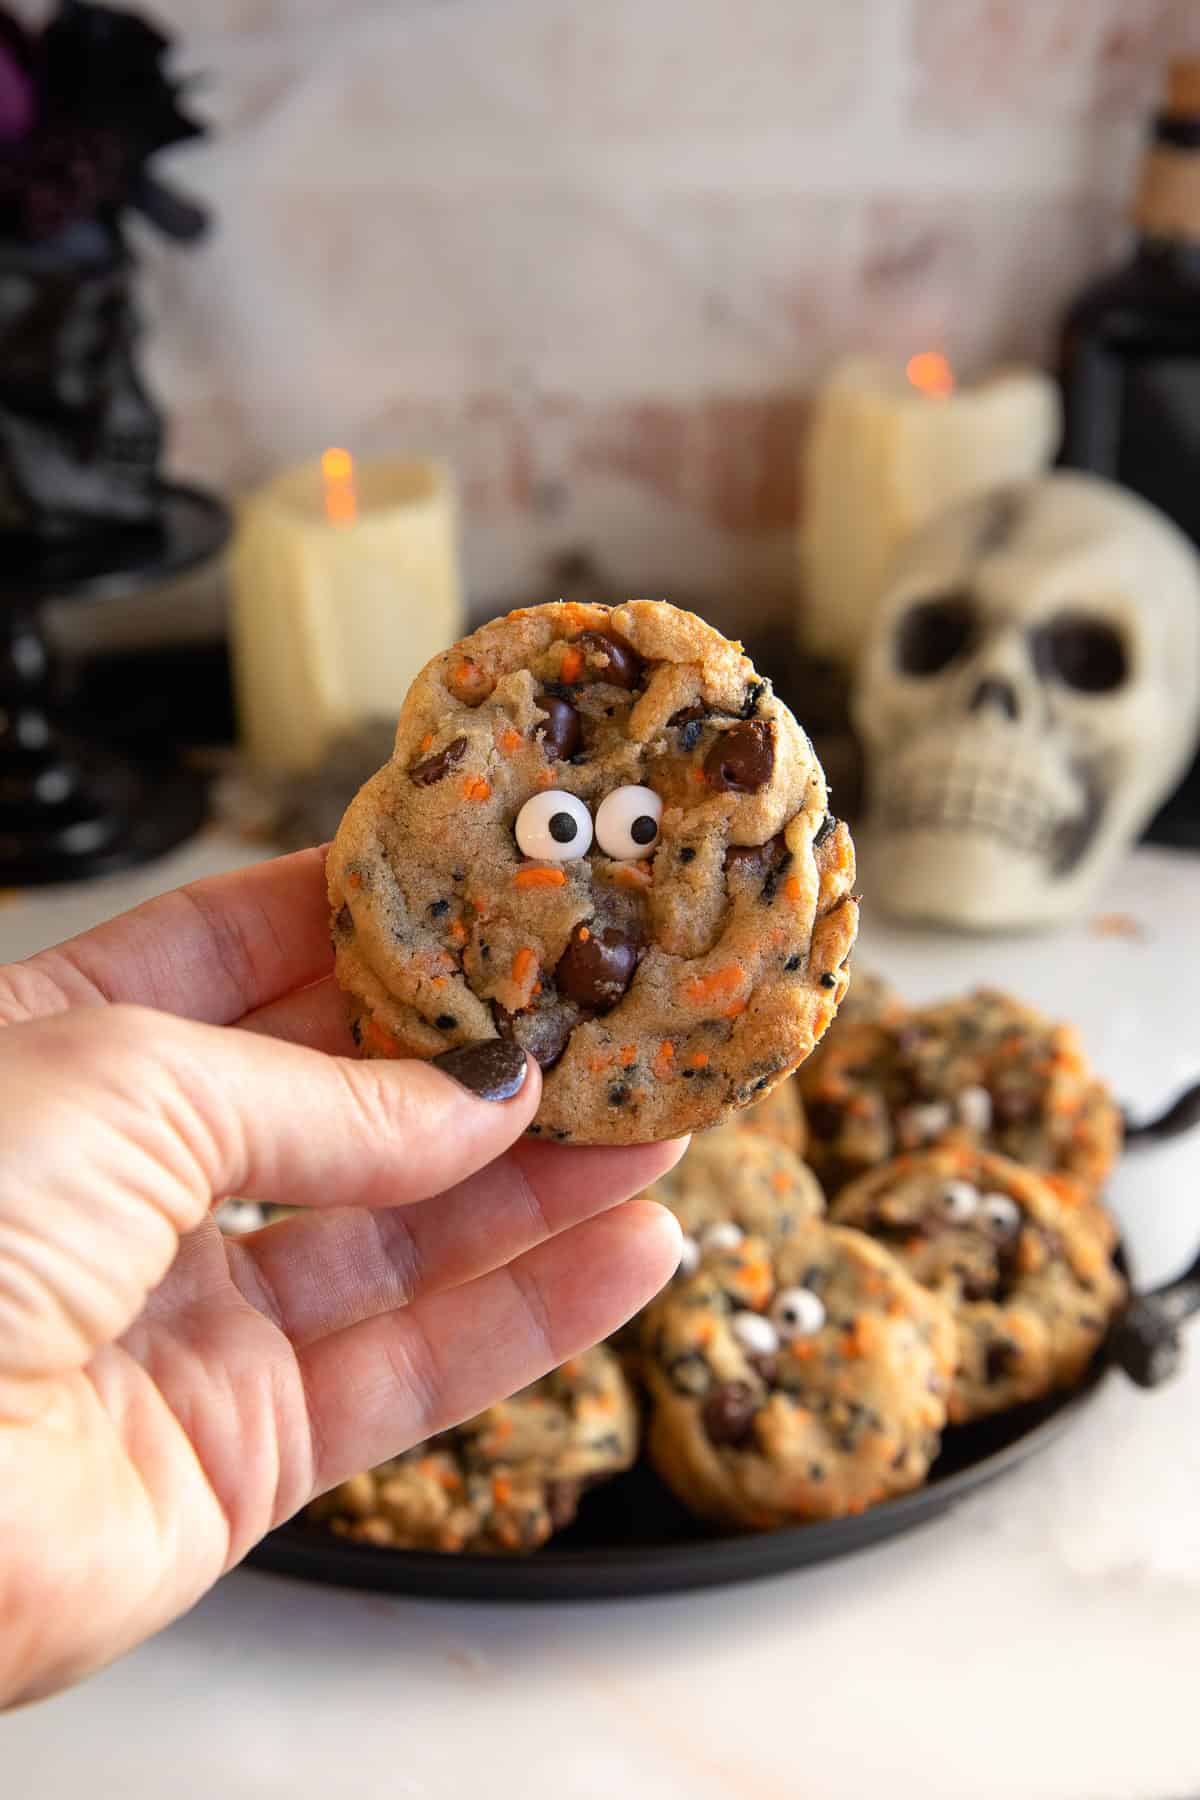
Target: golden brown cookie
[737,1180]
[503,1481]
[798,1380]
[780,1115]
[1030,1283]
[981,1070]
[601,834]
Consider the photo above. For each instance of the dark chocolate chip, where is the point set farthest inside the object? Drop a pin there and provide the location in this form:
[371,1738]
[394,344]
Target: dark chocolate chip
[1012,1106]
[752,858]
[544,1032]
[344,921]
[622,667]
[438,908]
[562,1498]
[825,829]
[438,765]
[754,694]
[828,980]
[765,1366]
[742,759]
[687,854]
[562,733]
[445,1021]
[999,1359]
[729,1411]
[493,1069]
[595,970]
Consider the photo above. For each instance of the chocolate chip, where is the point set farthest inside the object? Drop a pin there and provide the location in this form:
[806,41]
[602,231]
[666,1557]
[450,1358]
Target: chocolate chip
[754,694]
[562,733]
[828,980]
[438,765]
[562,1498]
[596,967]
[728,1413]
[622,667]
[687,854]
[999,1359]
[742,759]
[445,1021]
[544,1032]
[825,829]
[752,858]
[438,908]
[765,1366]
[690,721]
[792,964]
[1013,1106]
[978,1287]
[618,1095]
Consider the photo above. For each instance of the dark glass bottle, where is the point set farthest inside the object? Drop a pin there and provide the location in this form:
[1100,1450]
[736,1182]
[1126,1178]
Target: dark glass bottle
[1130,357]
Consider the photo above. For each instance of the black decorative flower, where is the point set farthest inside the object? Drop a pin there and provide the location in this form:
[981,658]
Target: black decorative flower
[83,108]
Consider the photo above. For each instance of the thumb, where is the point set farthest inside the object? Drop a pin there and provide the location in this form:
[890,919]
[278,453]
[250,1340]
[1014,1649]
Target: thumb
[121,1126]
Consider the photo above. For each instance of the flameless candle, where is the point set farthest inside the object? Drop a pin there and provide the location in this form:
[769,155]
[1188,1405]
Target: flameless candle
[345,582]
[890,447]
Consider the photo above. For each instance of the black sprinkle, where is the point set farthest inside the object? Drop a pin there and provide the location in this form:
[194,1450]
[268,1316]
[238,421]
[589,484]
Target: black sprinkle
[775,875]
[828,980]
[534,1130]
[754,694]
[793,963]
[345,922]
[485,951]
[457,875]
[689,1074]
[760,1085]
[438,907]
[828,824]
[560,1134]
[689,735]
[617,1096]
[445,1021]
[356,1032]
[687,854]
[816,1471]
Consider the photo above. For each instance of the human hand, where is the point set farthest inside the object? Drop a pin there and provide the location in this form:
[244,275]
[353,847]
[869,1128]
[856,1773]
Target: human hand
[166,1395]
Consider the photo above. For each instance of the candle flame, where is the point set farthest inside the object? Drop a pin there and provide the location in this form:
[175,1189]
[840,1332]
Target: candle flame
[337,469]
[930,372]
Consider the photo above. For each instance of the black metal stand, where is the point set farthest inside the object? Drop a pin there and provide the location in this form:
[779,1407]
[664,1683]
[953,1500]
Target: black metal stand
[70,807]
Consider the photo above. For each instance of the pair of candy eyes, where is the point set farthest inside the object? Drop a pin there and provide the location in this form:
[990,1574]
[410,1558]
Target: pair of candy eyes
[556,826]
[795,1312]
[963,1204]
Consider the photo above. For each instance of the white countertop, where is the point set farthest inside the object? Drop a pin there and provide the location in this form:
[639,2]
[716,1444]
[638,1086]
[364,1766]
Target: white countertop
[1042,1641]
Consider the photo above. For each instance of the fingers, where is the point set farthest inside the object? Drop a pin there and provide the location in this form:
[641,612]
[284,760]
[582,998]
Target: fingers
[317,1016]
[320,1273]
[381,1386]
[215,950]
[120,1125]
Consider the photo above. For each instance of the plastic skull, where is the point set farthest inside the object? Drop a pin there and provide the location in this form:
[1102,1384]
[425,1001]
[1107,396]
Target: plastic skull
[1028,696]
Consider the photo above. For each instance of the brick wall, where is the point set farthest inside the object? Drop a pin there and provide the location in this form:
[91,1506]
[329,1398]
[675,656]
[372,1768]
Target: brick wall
[598,251]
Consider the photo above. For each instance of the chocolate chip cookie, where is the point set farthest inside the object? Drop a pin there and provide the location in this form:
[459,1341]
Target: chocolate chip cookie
[798,1380]
[736,1182]
[1030,1284]
[602,835]
[980,1070]
[504,1481]
[780,1115]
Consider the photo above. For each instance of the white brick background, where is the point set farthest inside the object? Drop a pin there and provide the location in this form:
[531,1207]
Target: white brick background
[599,252]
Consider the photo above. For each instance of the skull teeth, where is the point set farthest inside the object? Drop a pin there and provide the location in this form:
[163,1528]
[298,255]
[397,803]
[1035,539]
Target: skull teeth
[1014,814]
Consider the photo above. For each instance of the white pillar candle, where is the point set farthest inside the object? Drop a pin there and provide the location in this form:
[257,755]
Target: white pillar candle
[889,447]
[344,583]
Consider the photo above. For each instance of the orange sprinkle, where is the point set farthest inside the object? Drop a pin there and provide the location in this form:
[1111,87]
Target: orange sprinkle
[718,985]
[524,963]
[583,934]
[699,1060]
[571,1368]
[457,932]
[501,1490]
[628,1055]
[504,1427]
[792,889]
[733,1009]
[377,1038]
[600,1062]
[802,1349]
[354,881]
[635,875]
[699,777]
[510,740]
[781,1181]
[705,1331]
[476,788]
[469,675]
[539,877]
[426,741]
[438,981]
[450,1479]
[537,987]
[571,667]
[664,1056]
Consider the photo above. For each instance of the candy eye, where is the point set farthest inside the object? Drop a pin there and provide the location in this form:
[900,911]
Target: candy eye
[797,1313]
[960,1201]
[627,822]
[756,1335]
[554,827]
[723,1236]
[1001,1213]
[689,1257]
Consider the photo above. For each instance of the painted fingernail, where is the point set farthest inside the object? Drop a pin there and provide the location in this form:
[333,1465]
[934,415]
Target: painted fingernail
[494,1069]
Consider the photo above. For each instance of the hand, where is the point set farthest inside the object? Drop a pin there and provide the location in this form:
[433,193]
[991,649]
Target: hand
[167,1396]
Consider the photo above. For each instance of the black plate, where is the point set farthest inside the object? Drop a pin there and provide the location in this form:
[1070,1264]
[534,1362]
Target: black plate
[633,1537]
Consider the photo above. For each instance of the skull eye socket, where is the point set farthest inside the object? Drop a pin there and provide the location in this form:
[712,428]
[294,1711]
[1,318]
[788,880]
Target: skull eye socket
[1088,655]
[933,634]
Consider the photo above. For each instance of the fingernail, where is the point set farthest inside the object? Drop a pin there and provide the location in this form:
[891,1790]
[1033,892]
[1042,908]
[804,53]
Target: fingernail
[494,1069]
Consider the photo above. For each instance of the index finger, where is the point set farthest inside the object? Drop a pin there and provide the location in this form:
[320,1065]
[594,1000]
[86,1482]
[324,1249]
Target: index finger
[212,951]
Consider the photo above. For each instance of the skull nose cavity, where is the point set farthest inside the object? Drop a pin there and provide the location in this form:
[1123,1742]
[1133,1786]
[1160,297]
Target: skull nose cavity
[997,694]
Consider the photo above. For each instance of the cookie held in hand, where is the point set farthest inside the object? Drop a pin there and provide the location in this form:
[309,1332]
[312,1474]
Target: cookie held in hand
[600,834]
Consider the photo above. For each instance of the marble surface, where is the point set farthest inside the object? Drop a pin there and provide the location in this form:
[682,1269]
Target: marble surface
[1040,1642]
